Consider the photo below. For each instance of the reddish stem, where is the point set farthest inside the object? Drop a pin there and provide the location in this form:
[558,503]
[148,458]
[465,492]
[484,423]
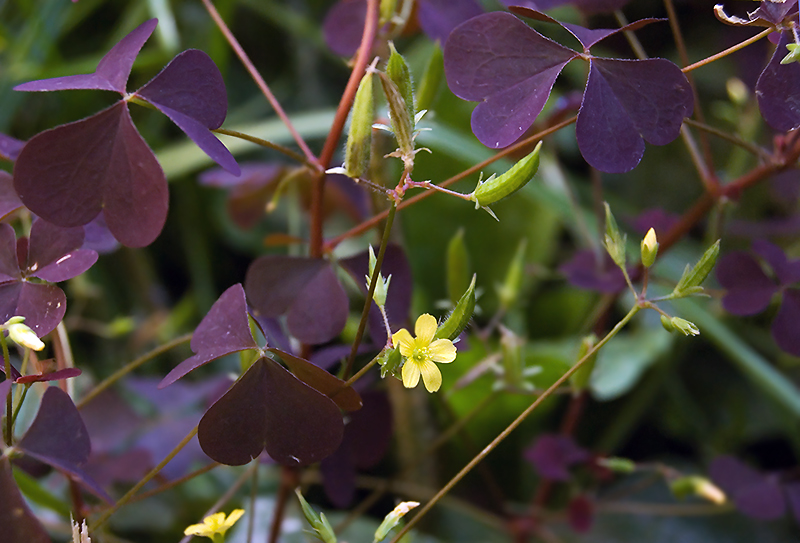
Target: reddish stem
[325,157]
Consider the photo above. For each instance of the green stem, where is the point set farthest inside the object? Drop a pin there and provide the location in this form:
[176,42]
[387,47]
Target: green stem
[297,157]
[125,370]
[372,284]
[9,429]
[511,427]
[174,483]
[731,138]
[146,479]
[20,401]
[728,51]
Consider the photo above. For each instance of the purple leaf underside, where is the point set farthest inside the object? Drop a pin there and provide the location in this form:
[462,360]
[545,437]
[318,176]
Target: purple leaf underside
[439,17]
[344,25]
[786,326]
[625,101]
[54,253]
[786,271]
[587,6]
[69,174]
[9,201]
[9,264]
[224,330]
[10,147]
[270,409]
[112,71]
[755,494]
[777,87]
[43,306]
[19,523]
[749,290]
[319,312]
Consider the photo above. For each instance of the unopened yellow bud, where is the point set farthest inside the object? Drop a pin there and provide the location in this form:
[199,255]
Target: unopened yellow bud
[23,335]
[649,248]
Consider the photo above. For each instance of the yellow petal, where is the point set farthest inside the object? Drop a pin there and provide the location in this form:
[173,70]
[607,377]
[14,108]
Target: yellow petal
[214,521]
[198,529]
[431,376]
[425,328]
[235,515]
[442,351]
[402,340]
[410,373]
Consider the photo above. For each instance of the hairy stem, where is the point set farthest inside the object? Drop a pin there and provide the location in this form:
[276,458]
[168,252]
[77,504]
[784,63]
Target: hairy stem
[728,51]
[268,144]
[125,370]
[362,324]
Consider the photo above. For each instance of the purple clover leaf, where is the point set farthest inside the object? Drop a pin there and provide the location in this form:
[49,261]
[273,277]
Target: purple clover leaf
[584,272]
[750,289]
[9,201]
[250,192]
[777,86]
[769,14]
[552,455]
[58,438]
[755,494]
[510,68]
[70,174]
[294,414]
[18,521]
[344,22]
[52,254]
[587,6]
[10,147]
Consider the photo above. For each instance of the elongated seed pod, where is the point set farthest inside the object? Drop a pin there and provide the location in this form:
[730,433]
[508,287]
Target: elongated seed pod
[455,323]
[359,138]
[497,188]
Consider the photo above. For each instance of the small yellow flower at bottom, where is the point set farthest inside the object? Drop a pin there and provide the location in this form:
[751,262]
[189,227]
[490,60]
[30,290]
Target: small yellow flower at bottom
[214,526]
[421,352]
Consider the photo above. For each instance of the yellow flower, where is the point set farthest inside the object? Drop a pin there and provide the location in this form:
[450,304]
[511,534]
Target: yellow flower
[214,526]
[421,352]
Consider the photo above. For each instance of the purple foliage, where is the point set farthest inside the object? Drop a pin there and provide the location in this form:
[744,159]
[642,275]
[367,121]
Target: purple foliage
[344,23]
[58,438]
[510,68]
[552,456]
[304,289]
[9,201]
[655,218]
[755,494]
[19,523]
[750,290]
[777,89]
[580,513]
[10,147]
[587,6]
[70,174]
[583,271]
[52,254]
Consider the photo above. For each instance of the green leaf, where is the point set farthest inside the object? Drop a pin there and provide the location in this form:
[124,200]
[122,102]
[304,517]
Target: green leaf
[431,79]
[458,267]
[32,490]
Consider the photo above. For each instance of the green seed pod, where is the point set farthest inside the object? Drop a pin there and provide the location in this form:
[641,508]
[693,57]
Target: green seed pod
[398,72]
[455,323]
[320,525]
[431,79]
[402,122]
[497,188]
[614,240]
[387,10]
[617,464]
[508,292]
[359,139]
[458,267]
[511,346]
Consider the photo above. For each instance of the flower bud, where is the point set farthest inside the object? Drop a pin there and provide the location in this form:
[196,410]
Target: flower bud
[649,248]
[359,138]
[685,327]
[693,277]
[694,485]
[458,319]
[23,335]
[321,526]
[614,240]
[392,519]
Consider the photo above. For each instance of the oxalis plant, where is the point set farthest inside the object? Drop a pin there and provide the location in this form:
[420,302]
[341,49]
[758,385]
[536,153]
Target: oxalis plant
[415,308]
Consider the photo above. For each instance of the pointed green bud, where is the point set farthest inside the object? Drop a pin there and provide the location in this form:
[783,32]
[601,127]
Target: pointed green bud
[458,319]
[614,241]
[649,248]
[509,291]
[402,122]
[382,285]
[692,278]
[359,138]
[498,187]
[392,519]
[685,327]
[431,79]
[695,485]
[398,72]
[794,53]
[617,464]
[458,267]
[511,348]
[580,379]
[321,527]
[666,322]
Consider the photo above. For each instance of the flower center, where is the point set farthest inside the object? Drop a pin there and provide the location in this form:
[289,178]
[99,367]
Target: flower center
[420,354]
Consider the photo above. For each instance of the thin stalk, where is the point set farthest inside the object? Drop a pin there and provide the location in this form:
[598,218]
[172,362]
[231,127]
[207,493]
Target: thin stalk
[760,152]
[297,157]
[362,325]
[728,51]
[8,431]
[289,481]
[332,142]
[125,370]
[174,483]
[262,85]
[360,373]
[633,41]
[376,219]
[63,356]
[698,162]
[226,497]
[511,427]
[20,401]
[146,479]
[251,518]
